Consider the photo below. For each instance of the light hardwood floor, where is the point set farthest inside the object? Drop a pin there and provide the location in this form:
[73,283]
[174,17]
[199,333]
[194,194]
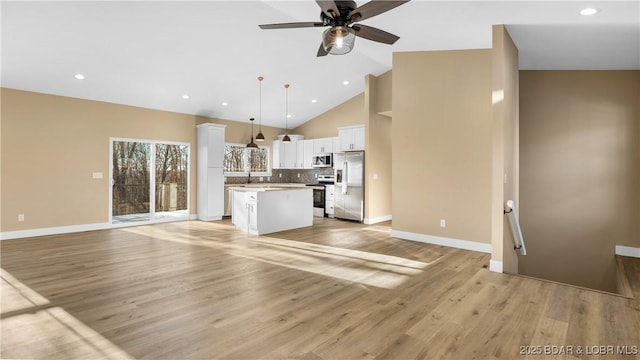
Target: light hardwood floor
[338,290]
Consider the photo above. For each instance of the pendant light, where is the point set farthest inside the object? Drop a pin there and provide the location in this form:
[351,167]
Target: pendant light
[252,144]
[260,136]
[286,138]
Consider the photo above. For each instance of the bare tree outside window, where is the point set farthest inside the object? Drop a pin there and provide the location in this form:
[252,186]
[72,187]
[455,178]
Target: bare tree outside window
[241,160]
[171,177]
[234,158]
[150,180]
[131,173]
[258,159]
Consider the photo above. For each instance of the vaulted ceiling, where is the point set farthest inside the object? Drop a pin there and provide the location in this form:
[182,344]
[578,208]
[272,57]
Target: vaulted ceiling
[150,54]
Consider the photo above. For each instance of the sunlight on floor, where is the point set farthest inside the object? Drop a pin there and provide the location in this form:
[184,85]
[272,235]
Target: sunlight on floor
[30,328]
[379,270]
[15,296]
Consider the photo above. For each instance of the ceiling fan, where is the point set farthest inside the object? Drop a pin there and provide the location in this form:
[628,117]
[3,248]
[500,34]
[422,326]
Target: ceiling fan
[341,17]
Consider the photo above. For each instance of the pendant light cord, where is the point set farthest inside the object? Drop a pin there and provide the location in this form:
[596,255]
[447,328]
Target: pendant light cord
[260,78]
[286,112]
[286,138]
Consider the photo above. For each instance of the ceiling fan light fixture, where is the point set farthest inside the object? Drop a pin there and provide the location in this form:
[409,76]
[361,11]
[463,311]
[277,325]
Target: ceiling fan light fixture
[338,40]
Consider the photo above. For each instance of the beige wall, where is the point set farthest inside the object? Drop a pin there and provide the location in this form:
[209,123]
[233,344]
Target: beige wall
[505,174]
[442,143]
[350,112]
[51,145]
[378,145]
[383,96]
[579,173]
[240,132]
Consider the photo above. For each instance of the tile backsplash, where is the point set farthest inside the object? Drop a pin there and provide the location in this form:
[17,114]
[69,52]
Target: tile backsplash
[302,176]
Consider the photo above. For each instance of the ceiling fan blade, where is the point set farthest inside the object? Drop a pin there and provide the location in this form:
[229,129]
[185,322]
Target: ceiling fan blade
[322,51]
[374,34]
[291,25]
[373,8]
[329,7]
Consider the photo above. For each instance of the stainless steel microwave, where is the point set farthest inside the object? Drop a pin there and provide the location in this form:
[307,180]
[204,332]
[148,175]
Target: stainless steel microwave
[322,160]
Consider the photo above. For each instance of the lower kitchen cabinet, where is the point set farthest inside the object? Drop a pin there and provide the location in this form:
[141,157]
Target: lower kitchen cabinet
[329,194]
[261,211]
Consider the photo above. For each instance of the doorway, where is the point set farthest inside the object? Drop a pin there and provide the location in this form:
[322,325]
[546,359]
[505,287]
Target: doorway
[150,181]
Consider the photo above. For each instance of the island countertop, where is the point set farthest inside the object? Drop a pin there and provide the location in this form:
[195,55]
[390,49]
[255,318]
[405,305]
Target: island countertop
[270,188]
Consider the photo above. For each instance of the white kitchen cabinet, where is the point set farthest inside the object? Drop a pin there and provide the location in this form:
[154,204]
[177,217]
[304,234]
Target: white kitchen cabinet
[285,155]
[323,145]
[329,196]
[307,162]
[210,176]
[261,211]
[277,157]
[300,154]
[351,138]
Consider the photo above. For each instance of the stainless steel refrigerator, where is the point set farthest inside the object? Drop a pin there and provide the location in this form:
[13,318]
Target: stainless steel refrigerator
[349,181]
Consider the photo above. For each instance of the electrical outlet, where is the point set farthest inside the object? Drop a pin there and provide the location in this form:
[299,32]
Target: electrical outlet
[20,217]
[443,223]
[261,179]
[280,175]
[298,175]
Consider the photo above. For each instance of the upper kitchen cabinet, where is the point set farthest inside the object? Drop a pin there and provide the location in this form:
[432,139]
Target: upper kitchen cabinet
[351,138]
[307,161]
[323,146]
[285,155]
[211,144]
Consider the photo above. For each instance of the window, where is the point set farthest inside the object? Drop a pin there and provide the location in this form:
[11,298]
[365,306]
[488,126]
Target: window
[239,160]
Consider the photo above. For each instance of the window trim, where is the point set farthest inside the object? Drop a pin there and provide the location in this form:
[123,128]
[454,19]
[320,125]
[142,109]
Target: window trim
[246,173]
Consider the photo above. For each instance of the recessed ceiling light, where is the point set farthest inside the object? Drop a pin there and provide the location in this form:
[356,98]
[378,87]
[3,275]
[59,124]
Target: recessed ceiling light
[79,76]
[589,11]
[185,96]
[314,101]
[346,82]
[225,103]
[288,115]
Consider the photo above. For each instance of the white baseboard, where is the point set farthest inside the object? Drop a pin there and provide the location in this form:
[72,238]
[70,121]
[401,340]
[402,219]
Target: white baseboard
[495,266]
[371,221]
[8,235]
[436,240]
[19,234]
[628,251]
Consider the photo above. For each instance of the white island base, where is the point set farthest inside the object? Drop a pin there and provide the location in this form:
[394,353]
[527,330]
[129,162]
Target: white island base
[262,211]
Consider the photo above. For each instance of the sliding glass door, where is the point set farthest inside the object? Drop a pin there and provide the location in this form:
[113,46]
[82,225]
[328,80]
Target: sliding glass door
[150,181]
[172,175]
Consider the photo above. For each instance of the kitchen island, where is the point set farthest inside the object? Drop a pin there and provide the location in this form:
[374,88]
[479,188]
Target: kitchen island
[264,210]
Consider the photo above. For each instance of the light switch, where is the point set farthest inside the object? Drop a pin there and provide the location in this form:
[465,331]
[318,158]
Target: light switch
[97,175]
[375,176]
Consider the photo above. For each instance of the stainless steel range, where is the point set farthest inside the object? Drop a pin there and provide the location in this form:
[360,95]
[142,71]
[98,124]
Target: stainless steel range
[319,194]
